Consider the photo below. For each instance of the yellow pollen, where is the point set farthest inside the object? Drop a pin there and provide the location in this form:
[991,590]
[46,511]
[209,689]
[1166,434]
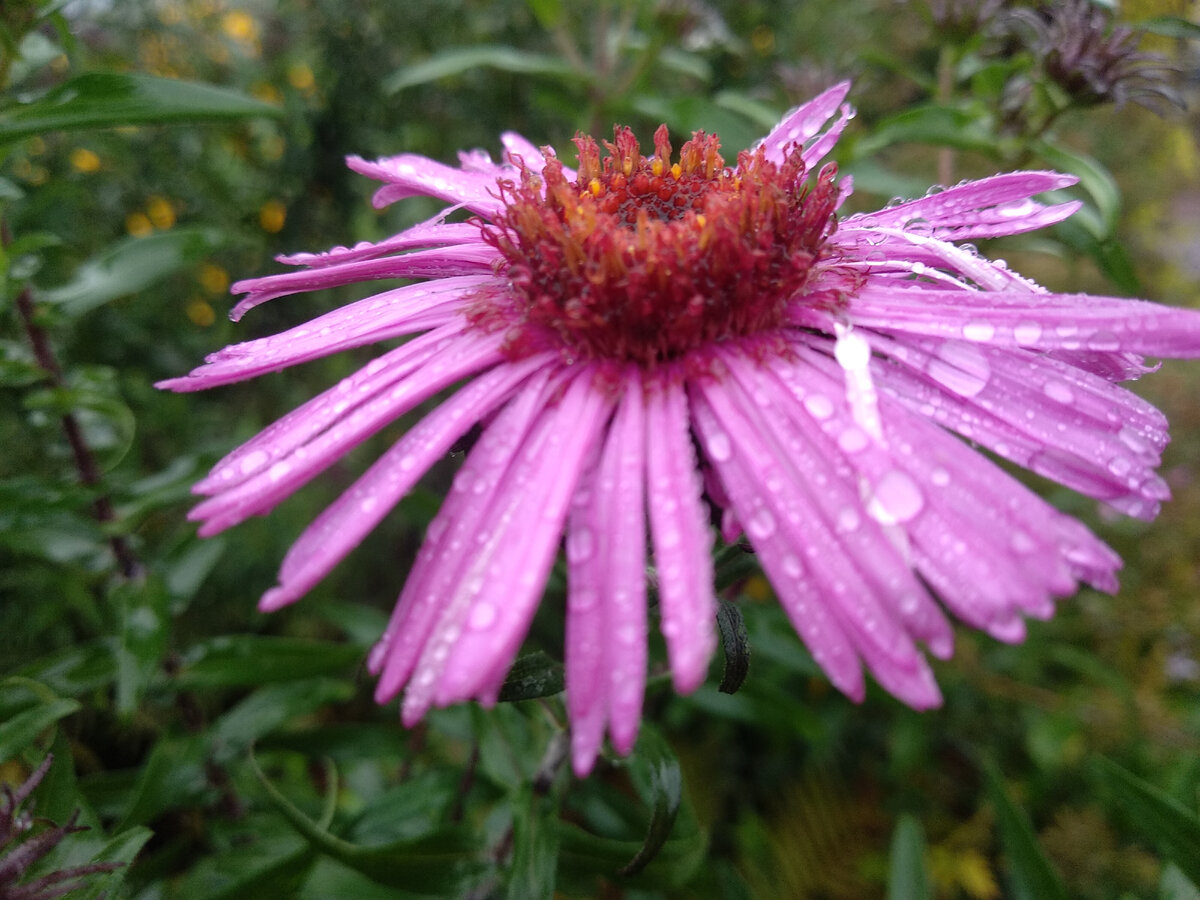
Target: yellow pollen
[595,187]
[627,167]
[701,220]
[676,171]
[656,167]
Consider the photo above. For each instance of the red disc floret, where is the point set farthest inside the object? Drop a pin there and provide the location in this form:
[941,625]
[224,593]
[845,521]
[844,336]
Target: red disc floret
[641,259]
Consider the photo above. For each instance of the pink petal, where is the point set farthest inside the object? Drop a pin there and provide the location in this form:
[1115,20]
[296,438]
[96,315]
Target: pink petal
[432,233]
[290,470]
[409,175]
[606,579]
[802,124]
[454,535]
[679,527]
[416,307]
[503,580]
[341,527]
[443,263]
[989,207]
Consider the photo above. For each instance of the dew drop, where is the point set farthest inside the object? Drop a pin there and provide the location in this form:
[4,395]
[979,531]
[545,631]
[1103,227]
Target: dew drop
[848,519]
[253,461]
[852,440]
[897,498]
[1027,333]
[761,524]
[960,367]
[482,616]
[1120,466]
[792,566]
[819,406]
[1059,391]
[368,504]
[718,446]
[979,331]
[279,470]
[940,477]
[581,546]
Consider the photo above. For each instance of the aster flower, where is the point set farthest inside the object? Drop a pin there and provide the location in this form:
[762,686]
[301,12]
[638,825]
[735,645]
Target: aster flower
[646,340]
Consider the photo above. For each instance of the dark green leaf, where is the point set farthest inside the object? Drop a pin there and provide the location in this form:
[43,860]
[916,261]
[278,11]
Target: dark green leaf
[269,708]
[655,765]
[110,99]
[535,845]
[1093,177]
[132,265]
[23,729]
[941,126]
[1171,26]
[736,643]
[445,863]
[457,60]
[533,675]
[1031,877]
[142,640]
[1159,818]
[251,659]
[908,878]
[172,776]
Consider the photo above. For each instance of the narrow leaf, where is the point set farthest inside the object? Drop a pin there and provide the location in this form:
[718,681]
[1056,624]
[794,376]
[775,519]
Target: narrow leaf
[654,762]
[457,60]
[908,878]
[111,99]
[1031,877]
[1161,819]
[22,729]
[132,265]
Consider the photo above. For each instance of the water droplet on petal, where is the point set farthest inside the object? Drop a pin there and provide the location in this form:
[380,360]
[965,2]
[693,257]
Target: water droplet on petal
[253,461]
[718,446]
[897,498]
[482,616]
[848,519]
[792,566]
[940,477]
[979,331]
[580,545]
[818,406]
[1027,333]
[1120,466]
[852,440]
[960,367]
[761,524]
[1059,391]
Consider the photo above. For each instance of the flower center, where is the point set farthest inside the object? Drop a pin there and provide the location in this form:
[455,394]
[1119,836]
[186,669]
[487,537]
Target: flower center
[641,259]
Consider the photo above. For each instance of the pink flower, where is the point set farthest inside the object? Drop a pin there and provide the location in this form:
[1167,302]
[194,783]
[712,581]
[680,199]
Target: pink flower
[647,340]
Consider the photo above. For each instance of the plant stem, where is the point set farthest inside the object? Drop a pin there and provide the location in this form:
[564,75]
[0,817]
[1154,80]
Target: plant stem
[85,460]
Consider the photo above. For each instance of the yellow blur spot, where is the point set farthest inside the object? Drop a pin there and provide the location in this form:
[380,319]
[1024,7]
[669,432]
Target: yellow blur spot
[35,146]
[757,588]
[239,25]
[272,147]
[272,216]
[160,212]
[676,171]
[201,313]
[84,160]
[213,278]
[138,225]
[594,187]
[762,39]
[60,64]
[170,14]
[267,93]
[300,77]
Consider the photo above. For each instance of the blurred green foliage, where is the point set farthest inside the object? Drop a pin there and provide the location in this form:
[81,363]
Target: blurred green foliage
[154,150]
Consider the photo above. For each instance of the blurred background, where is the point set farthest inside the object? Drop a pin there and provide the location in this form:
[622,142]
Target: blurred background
[148,673]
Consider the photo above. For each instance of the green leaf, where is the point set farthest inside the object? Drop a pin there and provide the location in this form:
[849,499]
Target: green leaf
[736,643]
[442,863]
[908,878]
[251,659]
[655,765]
[941,126]
[1174,885]
[535,845]
[1159,818]
[142,639]
[1031,877]
[111,99]
[172,776]
[1171,26]
[533,675]
[1093,177]
[457,60]
[548,12]
[23,729]
[270,708]
[132,265]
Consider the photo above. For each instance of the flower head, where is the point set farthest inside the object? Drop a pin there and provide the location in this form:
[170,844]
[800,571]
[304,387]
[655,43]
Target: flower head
[647,339]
